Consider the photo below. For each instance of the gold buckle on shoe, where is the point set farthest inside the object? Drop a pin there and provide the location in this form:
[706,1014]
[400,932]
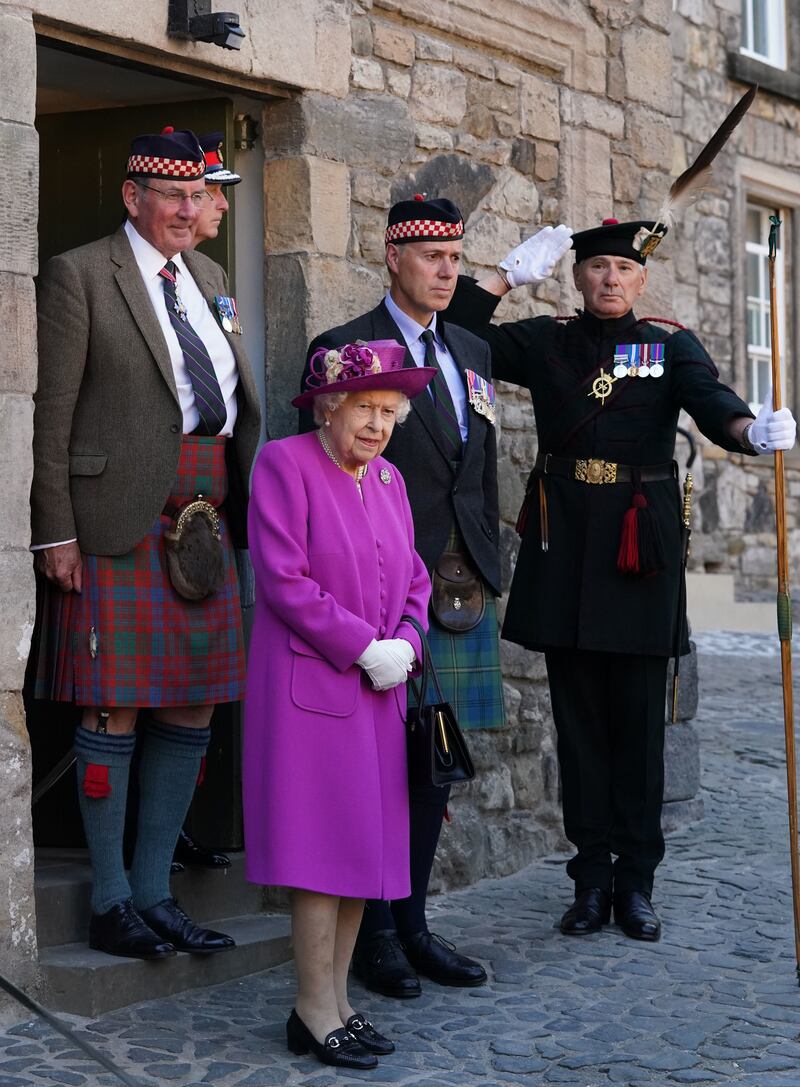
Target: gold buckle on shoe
[596,471]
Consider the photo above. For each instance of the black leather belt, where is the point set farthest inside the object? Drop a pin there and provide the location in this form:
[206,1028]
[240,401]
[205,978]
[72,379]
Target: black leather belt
[595,470]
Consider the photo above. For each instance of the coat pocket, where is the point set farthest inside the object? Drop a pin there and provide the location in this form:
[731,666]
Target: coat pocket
[87,464]
[319,687]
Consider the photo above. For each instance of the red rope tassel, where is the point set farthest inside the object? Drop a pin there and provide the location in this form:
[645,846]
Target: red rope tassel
[95,781]
[628,554]
[641,549]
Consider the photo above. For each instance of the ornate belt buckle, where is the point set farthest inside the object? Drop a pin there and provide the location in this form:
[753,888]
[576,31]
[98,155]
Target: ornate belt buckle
[595,470]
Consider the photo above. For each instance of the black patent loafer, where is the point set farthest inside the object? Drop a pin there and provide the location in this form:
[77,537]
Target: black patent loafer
[122,931]
[381,964]
[588,913]
[340,1048]
[169,921]
[371,1039]
[635,916]
[190,854]
[438,960]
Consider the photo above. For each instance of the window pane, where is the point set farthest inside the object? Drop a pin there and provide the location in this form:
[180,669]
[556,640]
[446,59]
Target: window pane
[754,227]
[752,275]
[760,25]
[764,375]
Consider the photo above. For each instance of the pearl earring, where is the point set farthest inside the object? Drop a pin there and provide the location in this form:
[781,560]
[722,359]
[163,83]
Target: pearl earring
[327,422]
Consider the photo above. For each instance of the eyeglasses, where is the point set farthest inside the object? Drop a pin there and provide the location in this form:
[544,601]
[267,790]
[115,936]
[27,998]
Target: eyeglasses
[175,198]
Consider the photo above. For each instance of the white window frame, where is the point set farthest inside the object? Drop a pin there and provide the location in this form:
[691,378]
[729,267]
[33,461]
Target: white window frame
[775,11]
[761,352]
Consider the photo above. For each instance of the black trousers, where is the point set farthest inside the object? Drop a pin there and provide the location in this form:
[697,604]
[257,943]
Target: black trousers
[407,915]
[609,711]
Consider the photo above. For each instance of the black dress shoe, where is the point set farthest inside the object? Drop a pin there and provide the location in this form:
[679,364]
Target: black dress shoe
[339,1048]
[381,964]
[121,931]
[371,1039]
[635,916]
[187,851]
[438,960]
[168,920]
[588,913]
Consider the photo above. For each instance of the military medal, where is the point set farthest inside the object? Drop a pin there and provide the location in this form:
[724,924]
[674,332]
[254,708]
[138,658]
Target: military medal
[228,313]
[482,396]
[179,308]
[656,359]
[601,386]
[639,360]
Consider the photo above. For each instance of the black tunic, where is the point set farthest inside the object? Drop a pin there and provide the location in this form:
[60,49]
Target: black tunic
[573,595]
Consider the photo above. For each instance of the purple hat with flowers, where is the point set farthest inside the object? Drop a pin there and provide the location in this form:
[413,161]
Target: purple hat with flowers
[360,366]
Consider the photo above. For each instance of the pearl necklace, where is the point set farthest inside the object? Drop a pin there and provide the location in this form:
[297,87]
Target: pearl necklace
[362,469]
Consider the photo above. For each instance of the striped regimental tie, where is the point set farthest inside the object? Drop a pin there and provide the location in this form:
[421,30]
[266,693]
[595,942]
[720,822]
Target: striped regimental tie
[207,393]
[448,420]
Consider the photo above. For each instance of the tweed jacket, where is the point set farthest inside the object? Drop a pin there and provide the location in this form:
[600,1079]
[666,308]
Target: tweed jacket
[107,422]
[441,494]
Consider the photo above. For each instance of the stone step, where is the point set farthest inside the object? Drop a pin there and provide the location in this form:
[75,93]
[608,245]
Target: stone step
[84,982]
[712,605]
[63,883]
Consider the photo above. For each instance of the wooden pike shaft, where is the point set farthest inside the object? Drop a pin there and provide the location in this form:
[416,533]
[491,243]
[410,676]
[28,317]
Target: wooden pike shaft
[784,602]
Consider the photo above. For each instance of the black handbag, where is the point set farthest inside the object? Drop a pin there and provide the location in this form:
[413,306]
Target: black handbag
[437,751]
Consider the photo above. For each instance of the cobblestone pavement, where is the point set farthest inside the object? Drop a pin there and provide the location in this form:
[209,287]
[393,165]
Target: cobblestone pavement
[715,1002]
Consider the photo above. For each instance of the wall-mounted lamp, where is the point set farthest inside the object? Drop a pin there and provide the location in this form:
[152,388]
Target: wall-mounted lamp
[194,19]
[245,132]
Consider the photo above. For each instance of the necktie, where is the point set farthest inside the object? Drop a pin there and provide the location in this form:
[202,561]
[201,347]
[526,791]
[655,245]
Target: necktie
[448,420]
[207,393]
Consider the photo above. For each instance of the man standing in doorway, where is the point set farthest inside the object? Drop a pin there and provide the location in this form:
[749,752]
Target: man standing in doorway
[209,216]
[218,178]
[145,402]
[446,452]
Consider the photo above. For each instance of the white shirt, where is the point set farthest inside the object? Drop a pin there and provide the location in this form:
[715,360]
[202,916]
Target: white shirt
[198,313]
[412,334]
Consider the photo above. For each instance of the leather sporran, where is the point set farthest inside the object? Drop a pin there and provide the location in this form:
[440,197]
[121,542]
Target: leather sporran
[437,751]
[458,597]
[195,555]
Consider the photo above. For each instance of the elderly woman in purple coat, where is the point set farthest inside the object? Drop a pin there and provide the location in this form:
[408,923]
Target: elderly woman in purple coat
[325,786]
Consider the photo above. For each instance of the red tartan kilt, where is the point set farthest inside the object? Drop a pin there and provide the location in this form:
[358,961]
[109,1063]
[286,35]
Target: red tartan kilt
[153,647]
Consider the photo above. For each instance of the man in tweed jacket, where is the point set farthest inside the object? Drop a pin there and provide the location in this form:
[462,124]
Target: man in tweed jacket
[120,441]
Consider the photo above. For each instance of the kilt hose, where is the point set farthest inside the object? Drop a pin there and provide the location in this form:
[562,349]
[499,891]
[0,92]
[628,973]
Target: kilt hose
[152,647]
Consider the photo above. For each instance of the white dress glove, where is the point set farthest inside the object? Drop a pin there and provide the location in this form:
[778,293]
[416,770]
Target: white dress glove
[536,258]
[387,663]
[772,430]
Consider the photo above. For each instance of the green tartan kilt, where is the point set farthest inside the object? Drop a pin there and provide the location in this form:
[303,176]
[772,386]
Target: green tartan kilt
[468,666]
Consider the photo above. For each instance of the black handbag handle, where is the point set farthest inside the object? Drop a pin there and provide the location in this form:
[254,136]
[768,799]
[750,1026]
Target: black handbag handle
[428,667]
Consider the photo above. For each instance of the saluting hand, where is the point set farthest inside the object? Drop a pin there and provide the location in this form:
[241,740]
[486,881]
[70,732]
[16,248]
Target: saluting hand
[772,430]
[63,565]
[537,257]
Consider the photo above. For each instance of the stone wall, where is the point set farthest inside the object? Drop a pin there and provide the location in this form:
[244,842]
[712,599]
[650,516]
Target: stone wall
[18,245]
[734,512]
[536,113]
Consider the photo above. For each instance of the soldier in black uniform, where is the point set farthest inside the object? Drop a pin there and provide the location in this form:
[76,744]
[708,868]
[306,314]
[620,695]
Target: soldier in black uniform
[596,582]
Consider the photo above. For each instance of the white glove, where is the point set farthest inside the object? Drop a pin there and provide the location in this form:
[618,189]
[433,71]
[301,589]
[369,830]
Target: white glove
[536,258]
[387,663]
[772,430]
